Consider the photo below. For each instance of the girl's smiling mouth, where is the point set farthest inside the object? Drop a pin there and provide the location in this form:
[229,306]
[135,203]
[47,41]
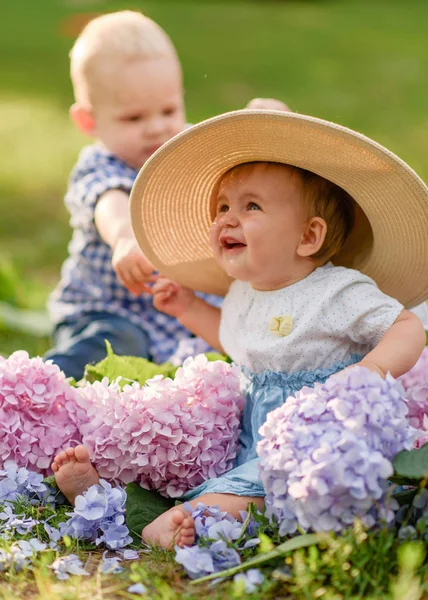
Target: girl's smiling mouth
[231,243]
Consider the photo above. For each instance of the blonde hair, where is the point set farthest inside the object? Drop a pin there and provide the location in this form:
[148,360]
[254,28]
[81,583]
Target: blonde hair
[121,36]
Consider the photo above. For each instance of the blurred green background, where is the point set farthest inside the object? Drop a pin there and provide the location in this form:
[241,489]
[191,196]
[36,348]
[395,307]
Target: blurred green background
[363,64]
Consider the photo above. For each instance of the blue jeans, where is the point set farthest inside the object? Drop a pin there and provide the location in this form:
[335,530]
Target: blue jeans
[78,344]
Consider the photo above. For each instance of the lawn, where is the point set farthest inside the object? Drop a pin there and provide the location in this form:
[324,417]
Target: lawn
[361,63]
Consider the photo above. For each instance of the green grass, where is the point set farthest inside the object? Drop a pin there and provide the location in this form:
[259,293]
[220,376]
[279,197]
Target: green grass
[356,565]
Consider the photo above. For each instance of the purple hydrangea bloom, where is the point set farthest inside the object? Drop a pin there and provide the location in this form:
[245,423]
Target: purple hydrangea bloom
[215,528]
[188,347]
[199,561]
[14,558]
[92,505]
[18,481]
[251,578]
[211,523]
[223,556]
[68,565]
[129,554]
[325,456]
[30,547]
[13,522]
[196,561]
[110,564]
[137,588]
[99,516]
[168,435]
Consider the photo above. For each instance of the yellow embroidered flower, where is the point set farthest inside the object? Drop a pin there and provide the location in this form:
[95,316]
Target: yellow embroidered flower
[281,326]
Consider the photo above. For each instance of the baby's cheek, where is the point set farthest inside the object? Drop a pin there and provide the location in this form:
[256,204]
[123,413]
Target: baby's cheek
[214,235]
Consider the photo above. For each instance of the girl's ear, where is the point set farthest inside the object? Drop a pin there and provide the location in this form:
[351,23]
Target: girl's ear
[312,238]
[83,119]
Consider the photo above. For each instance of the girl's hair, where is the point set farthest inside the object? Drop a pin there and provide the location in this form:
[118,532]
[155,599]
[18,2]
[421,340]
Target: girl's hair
[330,202]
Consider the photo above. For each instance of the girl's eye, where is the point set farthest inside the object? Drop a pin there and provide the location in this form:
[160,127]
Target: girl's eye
[168,112]
[134,118]
[253,206]
[223,208]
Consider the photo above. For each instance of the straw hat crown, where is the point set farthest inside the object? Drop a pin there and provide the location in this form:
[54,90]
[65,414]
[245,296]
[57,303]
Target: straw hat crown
[171,199]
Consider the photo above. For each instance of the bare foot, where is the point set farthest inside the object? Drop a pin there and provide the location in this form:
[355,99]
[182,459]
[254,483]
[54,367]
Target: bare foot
[173,528]
[74,472]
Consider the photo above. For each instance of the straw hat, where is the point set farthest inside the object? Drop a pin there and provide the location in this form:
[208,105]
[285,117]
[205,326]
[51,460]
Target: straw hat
[172,198]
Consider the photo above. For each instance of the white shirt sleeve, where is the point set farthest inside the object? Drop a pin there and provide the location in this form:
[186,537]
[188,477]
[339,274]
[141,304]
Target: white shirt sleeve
[359,310]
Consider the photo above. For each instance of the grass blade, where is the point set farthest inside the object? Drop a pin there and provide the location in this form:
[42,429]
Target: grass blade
[303,541]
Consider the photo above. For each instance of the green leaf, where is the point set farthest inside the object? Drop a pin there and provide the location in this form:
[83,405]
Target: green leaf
[142,507]
[411,466]
[129,368]
[302,541]
[212,356]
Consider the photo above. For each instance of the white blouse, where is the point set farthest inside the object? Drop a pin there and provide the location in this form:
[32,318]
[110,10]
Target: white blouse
[317,322]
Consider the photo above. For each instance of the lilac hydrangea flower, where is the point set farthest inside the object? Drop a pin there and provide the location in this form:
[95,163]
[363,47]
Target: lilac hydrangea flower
[325,456]
[129,554]
[13,522]
[188,347]
[137,588]
[214,528]
[15,558]
[110,564]
[251,578]
[18,481]
[211,523]
[38,411]
[92,505]
[99,516]
[31,547]
[65,566]
[168,435]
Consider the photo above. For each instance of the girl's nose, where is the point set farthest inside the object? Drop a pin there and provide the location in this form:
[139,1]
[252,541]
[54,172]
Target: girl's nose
[227,219]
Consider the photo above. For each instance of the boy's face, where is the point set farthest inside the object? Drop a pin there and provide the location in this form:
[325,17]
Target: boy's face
[139,107]
[259,224]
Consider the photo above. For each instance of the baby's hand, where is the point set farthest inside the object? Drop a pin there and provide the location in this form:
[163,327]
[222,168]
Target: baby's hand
[171,297]
[131,266]
[267,104]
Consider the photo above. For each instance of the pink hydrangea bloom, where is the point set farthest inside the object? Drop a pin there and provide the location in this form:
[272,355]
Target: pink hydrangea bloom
[417,403]
[169,435]
[418,375]
[37,412]
[415,382]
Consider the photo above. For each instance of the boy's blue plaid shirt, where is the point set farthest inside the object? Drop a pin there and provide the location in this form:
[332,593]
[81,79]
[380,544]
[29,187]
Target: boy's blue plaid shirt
[88,281]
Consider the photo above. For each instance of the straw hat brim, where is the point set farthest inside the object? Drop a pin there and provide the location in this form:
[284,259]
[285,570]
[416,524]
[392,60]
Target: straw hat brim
[171,199]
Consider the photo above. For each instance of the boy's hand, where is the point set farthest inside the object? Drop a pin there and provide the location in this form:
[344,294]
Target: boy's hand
[267,104]
[171,297]
[131,266]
